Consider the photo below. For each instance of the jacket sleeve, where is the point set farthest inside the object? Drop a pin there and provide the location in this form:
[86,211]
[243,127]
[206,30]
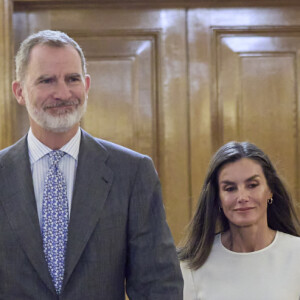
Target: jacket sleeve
[152,270]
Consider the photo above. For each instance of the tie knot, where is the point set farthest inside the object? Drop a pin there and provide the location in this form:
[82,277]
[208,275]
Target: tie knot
[55,156]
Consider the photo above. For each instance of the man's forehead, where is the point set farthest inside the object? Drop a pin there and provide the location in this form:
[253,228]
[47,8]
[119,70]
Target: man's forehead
[46,56]
[45,51]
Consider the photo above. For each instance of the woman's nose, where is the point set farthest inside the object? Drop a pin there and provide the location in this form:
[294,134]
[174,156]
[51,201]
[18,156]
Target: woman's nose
[243,195]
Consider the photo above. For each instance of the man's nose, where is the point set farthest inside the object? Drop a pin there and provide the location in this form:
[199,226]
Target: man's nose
[62,91]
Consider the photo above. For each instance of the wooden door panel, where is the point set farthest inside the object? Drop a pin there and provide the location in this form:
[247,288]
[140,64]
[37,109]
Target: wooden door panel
[115,111]
[259,98]
[122,106]
[249,71]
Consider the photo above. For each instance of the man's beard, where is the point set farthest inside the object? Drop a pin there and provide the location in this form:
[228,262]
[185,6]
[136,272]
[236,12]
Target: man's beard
[60,122]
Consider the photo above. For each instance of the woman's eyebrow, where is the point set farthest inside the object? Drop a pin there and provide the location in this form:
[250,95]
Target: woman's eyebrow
[247,180]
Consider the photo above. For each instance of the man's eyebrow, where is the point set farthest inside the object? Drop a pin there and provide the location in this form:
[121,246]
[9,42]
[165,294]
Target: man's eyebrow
[73,75]
[43,77]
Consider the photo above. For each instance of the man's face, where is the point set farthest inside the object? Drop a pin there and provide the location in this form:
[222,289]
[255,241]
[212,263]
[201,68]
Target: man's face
[54,89]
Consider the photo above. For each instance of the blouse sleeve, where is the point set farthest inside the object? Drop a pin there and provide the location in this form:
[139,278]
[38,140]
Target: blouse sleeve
[189,290]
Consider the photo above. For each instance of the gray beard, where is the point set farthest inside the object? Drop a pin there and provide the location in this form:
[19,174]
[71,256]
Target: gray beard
[60,123]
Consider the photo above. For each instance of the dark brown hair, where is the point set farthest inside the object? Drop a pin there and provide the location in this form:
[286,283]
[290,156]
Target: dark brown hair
[208,219]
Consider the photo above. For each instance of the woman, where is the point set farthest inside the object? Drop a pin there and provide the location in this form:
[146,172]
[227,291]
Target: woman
[243,241]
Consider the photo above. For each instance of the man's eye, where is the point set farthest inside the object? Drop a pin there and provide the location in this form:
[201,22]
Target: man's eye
[73,79]
[46,81]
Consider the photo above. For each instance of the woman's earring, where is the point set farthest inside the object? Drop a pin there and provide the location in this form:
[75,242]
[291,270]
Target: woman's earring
[270,201]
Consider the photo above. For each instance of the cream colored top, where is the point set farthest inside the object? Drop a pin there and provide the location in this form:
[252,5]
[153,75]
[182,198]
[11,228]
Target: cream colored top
[272,273]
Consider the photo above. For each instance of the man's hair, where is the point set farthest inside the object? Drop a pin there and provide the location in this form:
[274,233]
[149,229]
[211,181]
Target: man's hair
[46,37]
[210,219]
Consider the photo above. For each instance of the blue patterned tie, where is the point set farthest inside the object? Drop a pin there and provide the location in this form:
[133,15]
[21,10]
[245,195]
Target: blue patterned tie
[55,220]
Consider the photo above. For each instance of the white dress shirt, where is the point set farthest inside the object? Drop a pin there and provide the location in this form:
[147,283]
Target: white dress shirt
[39,162]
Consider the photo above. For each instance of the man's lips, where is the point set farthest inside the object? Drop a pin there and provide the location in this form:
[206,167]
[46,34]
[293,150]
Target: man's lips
[62,104]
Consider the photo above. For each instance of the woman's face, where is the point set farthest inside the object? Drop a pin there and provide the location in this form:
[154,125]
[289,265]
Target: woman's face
[244,193]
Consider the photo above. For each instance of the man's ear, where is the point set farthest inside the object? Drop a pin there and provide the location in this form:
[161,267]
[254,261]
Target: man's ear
[87,82]
[18,92]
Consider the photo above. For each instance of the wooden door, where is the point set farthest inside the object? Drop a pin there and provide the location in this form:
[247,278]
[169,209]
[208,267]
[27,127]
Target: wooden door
[247,61]
[138,98]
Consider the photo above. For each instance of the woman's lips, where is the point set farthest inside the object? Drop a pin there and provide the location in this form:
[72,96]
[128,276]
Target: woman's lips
[241,209]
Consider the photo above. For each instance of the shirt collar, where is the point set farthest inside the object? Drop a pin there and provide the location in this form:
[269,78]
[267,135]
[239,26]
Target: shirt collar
[37,149]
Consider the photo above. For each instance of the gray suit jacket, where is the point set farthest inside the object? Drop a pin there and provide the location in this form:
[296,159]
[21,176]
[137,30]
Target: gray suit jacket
[118,235]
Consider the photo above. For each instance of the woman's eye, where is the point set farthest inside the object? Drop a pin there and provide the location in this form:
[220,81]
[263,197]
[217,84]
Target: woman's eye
[252,185]
[229,188]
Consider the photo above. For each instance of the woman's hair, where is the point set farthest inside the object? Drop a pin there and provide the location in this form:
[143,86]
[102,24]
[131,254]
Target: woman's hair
[209,219]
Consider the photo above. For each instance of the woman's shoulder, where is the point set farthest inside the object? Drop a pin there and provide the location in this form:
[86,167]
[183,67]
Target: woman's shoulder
[190,286]
[184,265]
[288,240]
[286,236]
[187,271]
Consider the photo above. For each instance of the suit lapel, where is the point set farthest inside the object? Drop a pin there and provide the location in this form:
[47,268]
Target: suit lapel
[18,200]
[93,182]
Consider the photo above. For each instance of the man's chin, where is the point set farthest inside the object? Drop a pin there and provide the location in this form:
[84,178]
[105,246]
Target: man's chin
[58,129]
[58,124]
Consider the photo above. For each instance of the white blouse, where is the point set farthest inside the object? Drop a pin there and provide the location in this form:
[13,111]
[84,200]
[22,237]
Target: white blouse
[272,273]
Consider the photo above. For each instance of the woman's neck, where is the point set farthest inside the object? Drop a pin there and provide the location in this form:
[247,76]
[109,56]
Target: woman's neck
[247,239]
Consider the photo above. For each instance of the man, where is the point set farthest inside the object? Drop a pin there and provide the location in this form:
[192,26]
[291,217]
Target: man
[80,218]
